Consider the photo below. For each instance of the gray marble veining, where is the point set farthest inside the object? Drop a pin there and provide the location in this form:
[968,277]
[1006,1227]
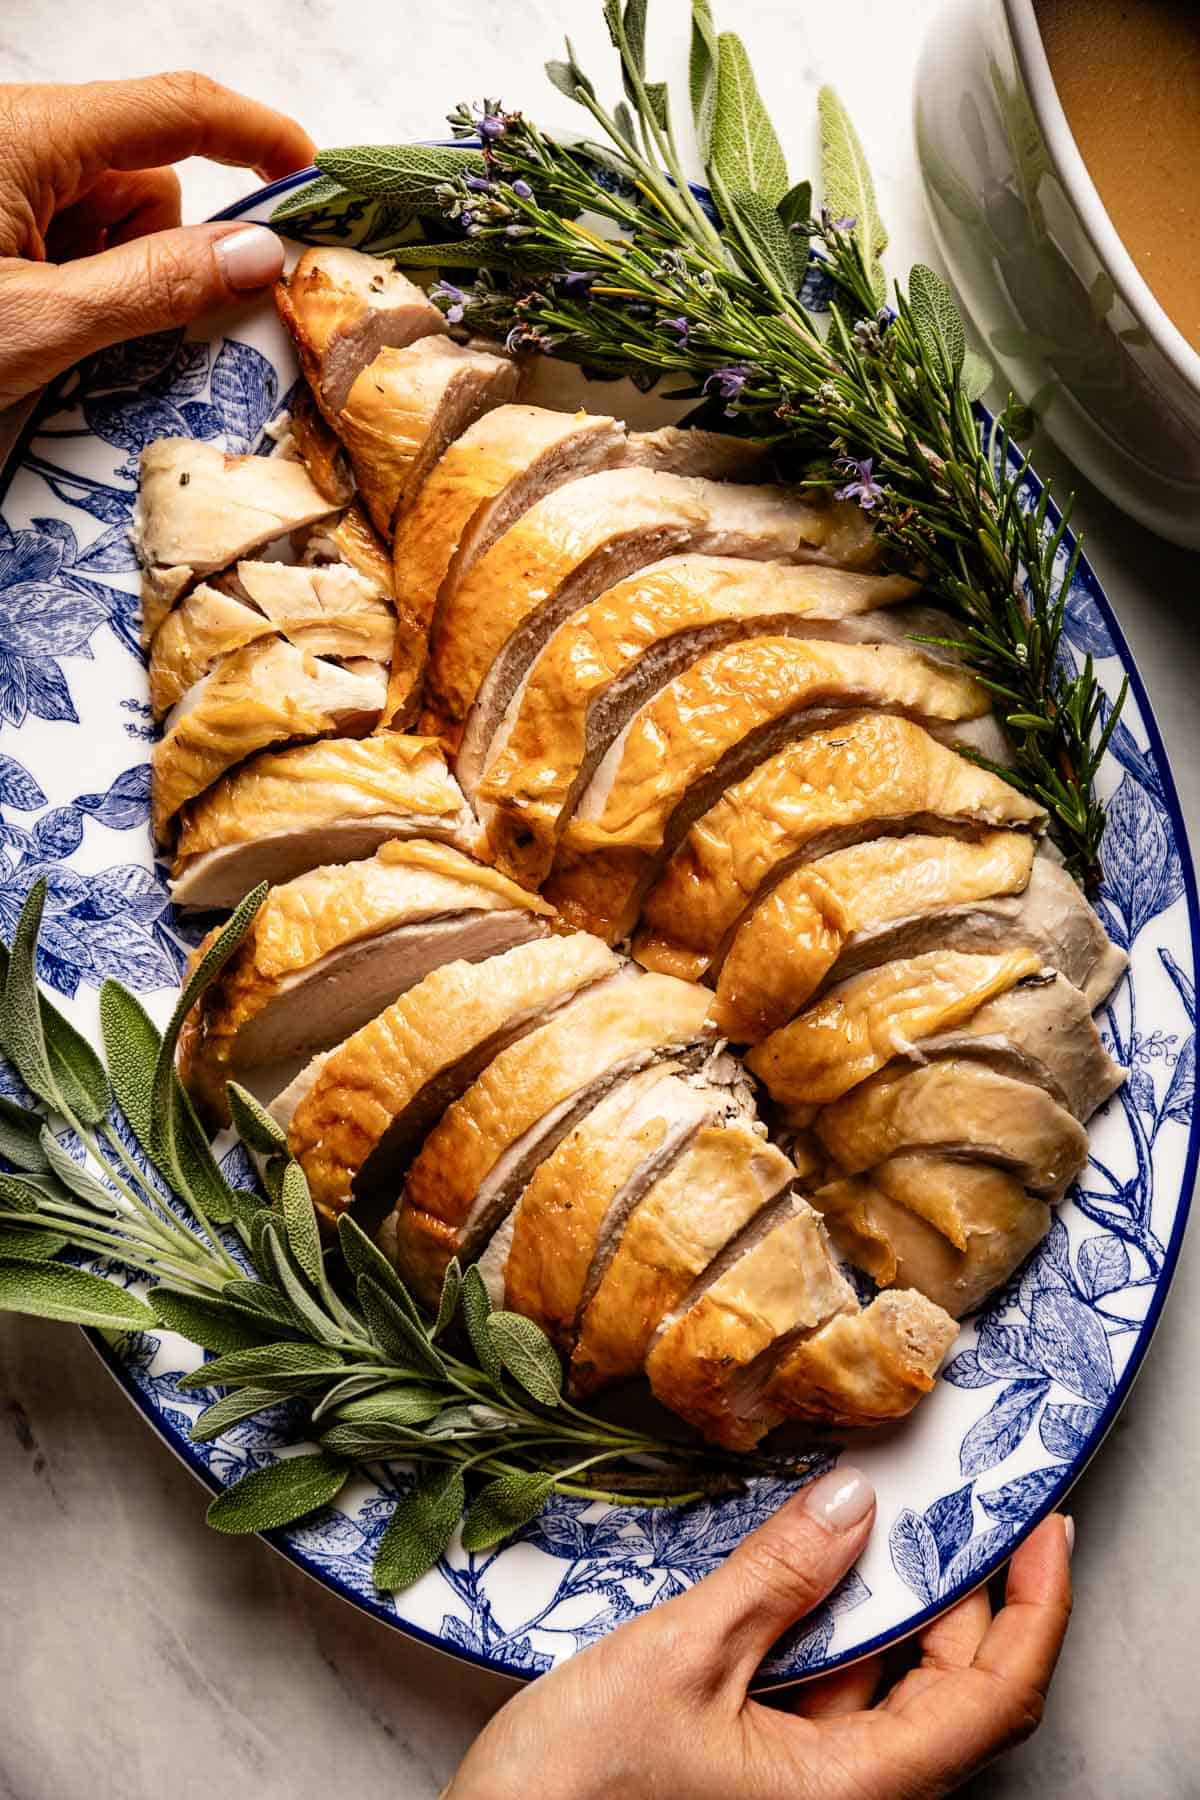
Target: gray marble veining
[144,1656]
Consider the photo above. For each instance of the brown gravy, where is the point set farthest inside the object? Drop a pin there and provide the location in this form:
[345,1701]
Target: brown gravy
[1128,75]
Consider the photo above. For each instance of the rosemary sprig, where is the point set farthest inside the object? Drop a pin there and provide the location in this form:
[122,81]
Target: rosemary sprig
[471,1398]
[880,405]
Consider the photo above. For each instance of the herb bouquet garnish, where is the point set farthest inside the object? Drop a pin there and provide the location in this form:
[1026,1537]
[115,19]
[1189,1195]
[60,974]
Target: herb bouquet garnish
[649,284]
[108,1163]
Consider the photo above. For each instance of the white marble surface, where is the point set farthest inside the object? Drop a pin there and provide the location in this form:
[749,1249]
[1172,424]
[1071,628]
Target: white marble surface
[140,1654]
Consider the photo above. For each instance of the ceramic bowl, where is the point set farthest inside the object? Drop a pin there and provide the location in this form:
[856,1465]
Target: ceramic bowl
[1066,316]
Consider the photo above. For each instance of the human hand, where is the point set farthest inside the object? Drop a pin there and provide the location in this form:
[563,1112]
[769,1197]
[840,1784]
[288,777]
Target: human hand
[661,1707]
[91,248]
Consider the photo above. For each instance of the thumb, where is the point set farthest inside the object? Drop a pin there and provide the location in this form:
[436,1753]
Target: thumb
[780,1572]
[53,314]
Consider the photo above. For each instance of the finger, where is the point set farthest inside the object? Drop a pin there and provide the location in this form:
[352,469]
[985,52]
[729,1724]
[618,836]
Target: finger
[160,119]
[120,207]
[845,1691]
[949,1643]
[967,1715]
[780,1572]
[59,313]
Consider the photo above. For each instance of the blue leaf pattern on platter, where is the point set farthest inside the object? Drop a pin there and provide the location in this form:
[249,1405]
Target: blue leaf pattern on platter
[1028,1390]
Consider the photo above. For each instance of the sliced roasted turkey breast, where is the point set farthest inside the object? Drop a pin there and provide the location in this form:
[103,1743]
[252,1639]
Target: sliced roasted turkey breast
[824,917]
[377,1096]
[329,610]
[581,539]
[541,1259]
[867,776]
[953,1230]
[287,811]
[332,948]
[198,510]
[861,1024]
[266,693]
[351,538]
[342,308]
[1044,1032]
[863,1368]
[475,1163]
[726,1175]
[405,408]
[958,1108]
[685,450]
[702,733]
[607,660]
[321,450]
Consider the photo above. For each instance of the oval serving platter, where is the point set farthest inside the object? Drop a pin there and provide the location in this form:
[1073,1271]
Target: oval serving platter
[1034,1381]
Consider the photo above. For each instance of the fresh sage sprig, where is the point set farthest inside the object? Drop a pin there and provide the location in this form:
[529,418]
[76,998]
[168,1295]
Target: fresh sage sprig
[108,1163]
[599,252]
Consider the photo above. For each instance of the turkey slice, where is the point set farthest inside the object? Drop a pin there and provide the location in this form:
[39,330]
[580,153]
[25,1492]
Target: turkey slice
[1044,1032]
[879,1222]
[958,1108]
[824,917]
[405,408]
[321,450]
[475,1163]
[342,308]
[866,776]
[541,1258]
[702,733]
[608,659]
[198,510]
[374,1099]
[330,611]
[581,539]
[329,950]
[287,811]
[861,1024]
[727,1174]
[351,538]
[267,693]
[773,1330]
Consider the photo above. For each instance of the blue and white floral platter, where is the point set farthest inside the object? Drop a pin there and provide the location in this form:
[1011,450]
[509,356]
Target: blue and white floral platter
[1034,1382]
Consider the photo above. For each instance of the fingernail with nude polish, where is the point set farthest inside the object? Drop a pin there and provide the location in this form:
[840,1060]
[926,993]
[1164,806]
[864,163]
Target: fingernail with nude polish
[839,1500]
[251,257]
[1069,1533]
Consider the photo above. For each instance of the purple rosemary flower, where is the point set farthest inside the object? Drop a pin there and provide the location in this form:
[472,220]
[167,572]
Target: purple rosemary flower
[479,184]
[885,316]
[492,125]
[468,218]
[574,281]
[522,190]
[862,487]
[518,231]
[446,290]
[680,327]
[728,383]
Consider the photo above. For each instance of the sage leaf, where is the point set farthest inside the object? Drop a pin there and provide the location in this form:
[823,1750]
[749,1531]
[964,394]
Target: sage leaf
[411,1404]
[32,1245]
[702,74]
[21,1028]
[284,1368]
[419,1529]
[314,1321]
[252,1122]
[528,1355]
[57,1291]
[78,1072]
[74,1176]
[502,1507]
[260,1300]
[759,224]
[408,175]
[568,77]
[795,211]
[131,1045]
[20,1137]
[469,253]
[209,1323]
[229,1410]
[936,321]
[469,1420]
[744,149]
[300,1224]
[975,375]
[350,1389]
[451,1292]
[287,1491]
[17,1196]
[315,196]
[476,1311]
[365,1443]
[393,1330]
[198,1170]
[363,1257]
[848,191]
